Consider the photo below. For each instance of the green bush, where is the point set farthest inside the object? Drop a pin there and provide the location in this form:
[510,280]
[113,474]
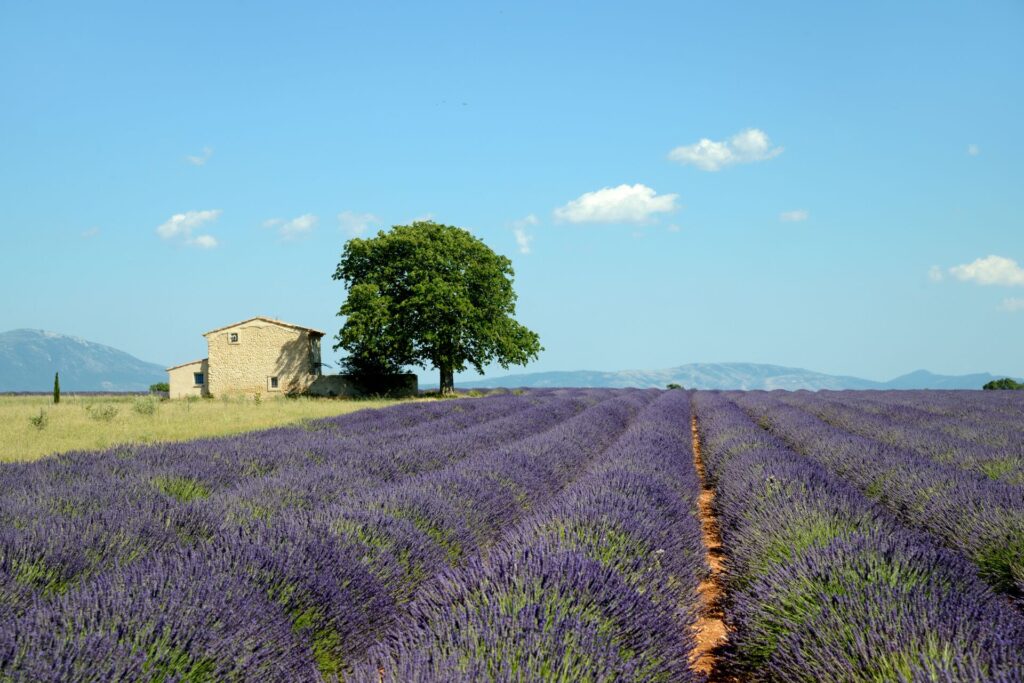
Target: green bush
[160,386]
[40,421]
[673,385]
[104,412]
[144,406]
[1004,383]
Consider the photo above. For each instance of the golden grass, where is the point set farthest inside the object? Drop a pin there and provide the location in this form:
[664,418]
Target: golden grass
[96,422]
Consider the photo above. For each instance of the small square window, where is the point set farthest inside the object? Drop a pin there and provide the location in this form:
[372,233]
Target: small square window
[272,383]
[198,378]
[232,337]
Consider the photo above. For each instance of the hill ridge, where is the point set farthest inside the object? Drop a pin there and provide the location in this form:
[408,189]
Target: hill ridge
[29,358]
[731,375]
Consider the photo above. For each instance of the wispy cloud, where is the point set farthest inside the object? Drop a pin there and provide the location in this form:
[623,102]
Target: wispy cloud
[1012,305]
[935,274]
[523,237]
[294,228]
[745,147]
[622,204]
[973,150]
[90,233]
[794,216]
[299,226]
[356,224]
[673,228]
[180,227]
[991,270]
[200,159]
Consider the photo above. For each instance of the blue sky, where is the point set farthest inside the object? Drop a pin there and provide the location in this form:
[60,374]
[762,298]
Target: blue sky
[834,186]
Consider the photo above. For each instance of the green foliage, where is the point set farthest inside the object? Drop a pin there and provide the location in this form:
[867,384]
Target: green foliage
[56,387]
[673,385]
[104,412]
[36,573]
[428,294]
[1004,383]
[160,386]
[184,489]
[40,421]
[144,406]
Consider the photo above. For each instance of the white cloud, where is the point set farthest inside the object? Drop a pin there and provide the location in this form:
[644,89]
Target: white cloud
[745,147]
[794,216]
[200,159]
[1012,305]
[293,228]
[524,238]
[297,227]
[90,233]
[673,228]
[182,225]
[935,274]
[973,150]
[622,204]
[991,270]
[356,224]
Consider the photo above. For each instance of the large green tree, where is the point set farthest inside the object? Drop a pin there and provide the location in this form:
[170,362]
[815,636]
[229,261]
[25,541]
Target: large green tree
[429,295]
[1004,383]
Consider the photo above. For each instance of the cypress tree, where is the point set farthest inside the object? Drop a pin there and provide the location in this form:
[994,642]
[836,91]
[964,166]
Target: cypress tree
[56,387]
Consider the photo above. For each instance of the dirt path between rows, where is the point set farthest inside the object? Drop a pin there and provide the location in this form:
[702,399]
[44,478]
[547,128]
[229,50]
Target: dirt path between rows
[710,630]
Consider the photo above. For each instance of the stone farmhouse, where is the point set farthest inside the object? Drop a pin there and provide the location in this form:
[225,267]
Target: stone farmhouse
[256,356]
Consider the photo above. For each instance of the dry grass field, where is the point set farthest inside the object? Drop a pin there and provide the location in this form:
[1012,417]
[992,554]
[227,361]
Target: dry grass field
[32,426]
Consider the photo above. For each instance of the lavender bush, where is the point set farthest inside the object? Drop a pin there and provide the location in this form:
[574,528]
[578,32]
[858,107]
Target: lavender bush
[828,586]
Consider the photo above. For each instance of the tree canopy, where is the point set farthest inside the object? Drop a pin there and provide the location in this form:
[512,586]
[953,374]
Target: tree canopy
[429,295]
[1004,383]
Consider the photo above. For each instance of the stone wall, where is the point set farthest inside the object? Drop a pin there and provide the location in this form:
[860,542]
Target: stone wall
[182,379]
[263,350]
[346,386]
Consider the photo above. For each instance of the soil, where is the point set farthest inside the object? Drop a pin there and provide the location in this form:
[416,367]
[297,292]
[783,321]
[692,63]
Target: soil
[710,630]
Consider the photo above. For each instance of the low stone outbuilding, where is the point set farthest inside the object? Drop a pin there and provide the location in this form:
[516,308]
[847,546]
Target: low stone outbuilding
[256,356]
[188,379]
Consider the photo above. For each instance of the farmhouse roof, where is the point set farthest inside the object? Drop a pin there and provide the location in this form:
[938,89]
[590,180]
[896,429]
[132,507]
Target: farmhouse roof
[191,362]
[269,320]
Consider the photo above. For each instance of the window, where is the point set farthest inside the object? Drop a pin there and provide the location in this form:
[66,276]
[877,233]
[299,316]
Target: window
[272,383]
[232,337]
[198,378]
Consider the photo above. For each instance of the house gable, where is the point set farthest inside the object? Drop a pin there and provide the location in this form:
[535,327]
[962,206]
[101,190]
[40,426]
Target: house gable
[262,355]
[264,319]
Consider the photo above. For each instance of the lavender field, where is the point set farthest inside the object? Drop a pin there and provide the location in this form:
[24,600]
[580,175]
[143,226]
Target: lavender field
[556,535]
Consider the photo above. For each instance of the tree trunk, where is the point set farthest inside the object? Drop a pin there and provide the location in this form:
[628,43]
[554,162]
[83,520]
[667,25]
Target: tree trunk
[447,381]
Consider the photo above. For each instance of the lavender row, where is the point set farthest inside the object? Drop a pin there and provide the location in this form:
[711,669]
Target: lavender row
[119,509]
[599,584]
[827,586]
[331,578]
[242,456]
[972,514]
[890,424]
[989,418]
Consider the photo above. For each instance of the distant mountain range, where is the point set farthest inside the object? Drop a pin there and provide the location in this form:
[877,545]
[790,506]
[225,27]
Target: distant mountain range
[28,359]
[729,376]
